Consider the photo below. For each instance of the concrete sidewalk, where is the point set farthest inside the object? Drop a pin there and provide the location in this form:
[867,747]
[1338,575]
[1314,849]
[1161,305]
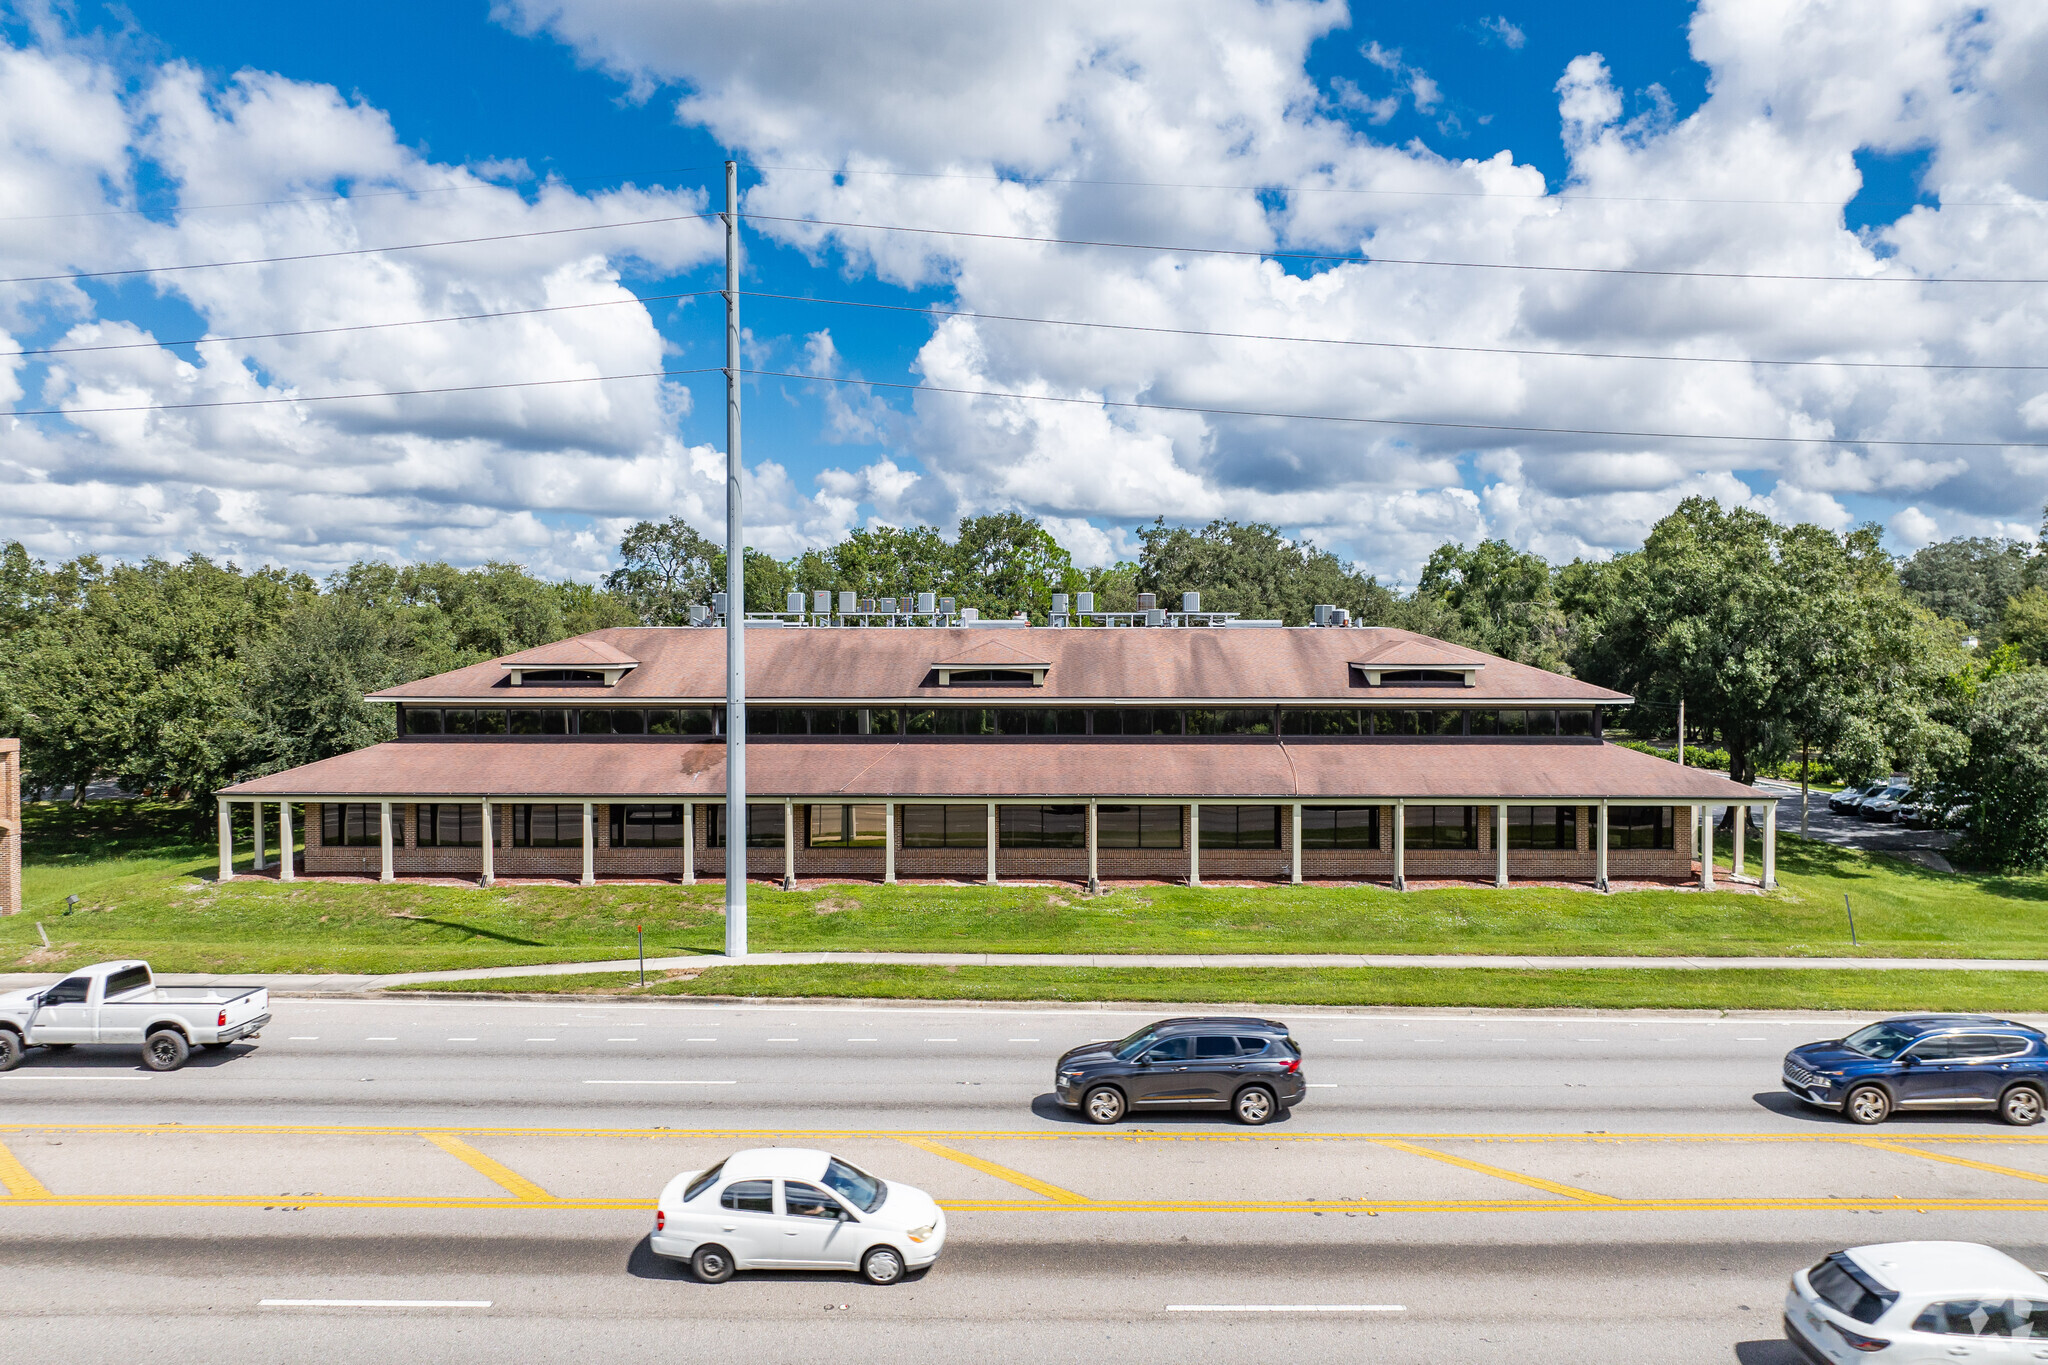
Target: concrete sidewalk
[289,984]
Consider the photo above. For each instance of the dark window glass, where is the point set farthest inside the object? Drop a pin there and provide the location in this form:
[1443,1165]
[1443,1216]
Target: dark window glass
[807,1201]
[945,826]
[920,722]
[450,826]
[975,720]
[835,722]
[703,1182]
[1138,826]
[629,722]
[696,721]
[525,722]
[1543,827]
[1072,721]
[350,825]
[884,720]
[458,721]
[764,825]
[761,720]
[556,676]
[1543,724]
[1971,1046]
[1108,723]
[847,826]
[1022,721]
[1352,827]
[1230,721]
[126,980]
[1169,1050]
[1166,722]
[1042,826]
[1482,722]
[1399,722]
[1450,722]
[1239,826]
[749,1196]
[1248,1046]
[1576,724]
[1847,1293]
[70,992]
[664,722]
[1319,721]
[547,826]
[1439,827]
[1208,1049]
[648,827]
[422,722]
[1985,1318]
[490,721]
[989,677]
[1639,827]
[1514,722]
[593,722]
[1409,677]
[554,721]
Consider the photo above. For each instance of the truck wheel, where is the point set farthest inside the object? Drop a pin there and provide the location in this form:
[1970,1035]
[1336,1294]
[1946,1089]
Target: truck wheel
[10,1049]
[165,1050]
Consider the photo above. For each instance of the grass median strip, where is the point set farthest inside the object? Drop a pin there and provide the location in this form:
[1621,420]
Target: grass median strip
[1473,987]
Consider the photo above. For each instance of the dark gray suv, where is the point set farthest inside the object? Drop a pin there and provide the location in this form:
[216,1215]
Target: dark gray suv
[1250,1067]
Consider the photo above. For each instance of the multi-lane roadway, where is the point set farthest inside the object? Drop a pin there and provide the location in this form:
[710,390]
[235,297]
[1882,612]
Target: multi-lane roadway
[424,1180]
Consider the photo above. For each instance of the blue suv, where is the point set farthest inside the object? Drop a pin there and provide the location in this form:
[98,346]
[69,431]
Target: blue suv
[1926,1061]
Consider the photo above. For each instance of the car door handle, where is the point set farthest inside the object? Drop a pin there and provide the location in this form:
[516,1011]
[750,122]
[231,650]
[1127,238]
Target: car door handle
[728,1227]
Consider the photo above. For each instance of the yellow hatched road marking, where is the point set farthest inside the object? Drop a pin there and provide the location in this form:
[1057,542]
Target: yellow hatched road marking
[1035,1185]
[15,1176]
[1535,1182]
[1952,1160]
[495,1170]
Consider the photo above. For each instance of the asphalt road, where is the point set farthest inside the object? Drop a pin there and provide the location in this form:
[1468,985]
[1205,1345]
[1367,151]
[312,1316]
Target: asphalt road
[1457,1187]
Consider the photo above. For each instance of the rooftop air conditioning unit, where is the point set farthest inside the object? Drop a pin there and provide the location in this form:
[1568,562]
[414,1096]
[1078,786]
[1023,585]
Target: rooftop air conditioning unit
[927,603]
[699,613]
[849,603]
[887,606]
[867,604]
[1191,601]
[793,603]
[1323,614]
[969,615]
[1085,603]
[718,604]
[1147,601]
[1059,604]
[1154,616]
[821,603]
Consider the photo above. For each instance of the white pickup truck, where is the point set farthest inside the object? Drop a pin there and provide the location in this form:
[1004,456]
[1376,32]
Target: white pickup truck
[120,1002]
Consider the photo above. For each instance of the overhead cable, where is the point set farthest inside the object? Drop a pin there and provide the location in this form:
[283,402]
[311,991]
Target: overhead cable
[348,397]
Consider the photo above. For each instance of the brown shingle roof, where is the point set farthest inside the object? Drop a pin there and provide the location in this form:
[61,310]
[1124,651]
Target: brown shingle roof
[854,665]
[993,654]
[544,769]
[578,651]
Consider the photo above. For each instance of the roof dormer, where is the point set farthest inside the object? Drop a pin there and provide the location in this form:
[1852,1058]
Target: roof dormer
[992,663]
[575,662]
[1419,663]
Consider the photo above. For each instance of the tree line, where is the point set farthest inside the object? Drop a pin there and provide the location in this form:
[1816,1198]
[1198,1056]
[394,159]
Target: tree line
[1788,645]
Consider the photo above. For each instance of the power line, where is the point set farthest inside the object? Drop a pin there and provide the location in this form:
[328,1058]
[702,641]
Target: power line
[354,251]
[1388,345]
[346,397]
[365,326]
[1412,422]
[1367,259]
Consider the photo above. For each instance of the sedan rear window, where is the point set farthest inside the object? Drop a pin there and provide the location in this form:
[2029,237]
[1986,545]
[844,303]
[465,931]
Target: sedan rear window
[1985,1318]
[703,1182]
[855,1186]
[1842,1287]
[1882,1041]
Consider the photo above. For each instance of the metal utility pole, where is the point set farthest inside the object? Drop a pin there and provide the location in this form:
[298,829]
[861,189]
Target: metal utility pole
[735,596]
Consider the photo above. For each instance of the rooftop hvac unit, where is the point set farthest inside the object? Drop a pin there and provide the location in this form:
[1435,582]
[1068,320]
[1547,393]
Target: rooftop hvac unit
[849,603]
[1059,604]
[945,606]
[699,613]
[821,603]
[867,604]
[718,604]
[927,603]
[1323,611]
[887,606]
[793,603]
[1191,601]
[1153,615]
[969,615]
[1085,602]
[1147,601]
[1340,616]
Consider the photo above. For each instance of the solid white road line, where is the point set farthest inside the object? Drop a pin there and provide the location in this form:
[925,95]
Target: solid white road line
[1752,1040]
[462,1040]
[1347,1040]
[588,1082]
[622,1040]
[700,1040]
[942,1040]
[1023,1040]
[373,1303]
[380,1040]
[304,1038]
[1286,1308]
[540,1040]
[21,1076]
[1322,1085]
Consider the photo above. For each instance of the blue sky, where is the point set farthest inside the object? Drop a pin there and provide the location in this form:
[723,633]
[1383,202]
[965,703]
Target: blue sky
[1501,113]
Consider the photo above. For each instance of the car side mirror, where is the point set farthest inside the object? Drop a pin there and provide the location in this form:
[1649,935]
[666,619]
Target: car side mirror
[1908,1060]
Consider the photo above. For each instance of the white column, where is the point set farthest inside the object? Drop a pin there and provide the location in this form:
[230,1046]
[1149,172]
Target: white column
[1771,847]
[225,813]
[259,862]
[1400,845]
[1741,818]
[590,844]
[1194,843]
[788,844]
[384,869]
[993,835]
[889,843]
[1094,883]
[1600,851]
[1500,845]
[1706,848]
[689,843]
[1295,871]
[490,877]
[285,870]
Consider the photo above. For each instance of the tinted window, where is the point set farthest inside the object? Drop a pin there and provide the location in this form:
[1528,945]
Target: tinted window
[1250,1047]
[1170,1050]
[1138,826]
[70,992]
[1043,826]
[1846,1293]
[1973,1045]
[749,1196]
[1240,826]
[1206,1048]
[945,827]
[703,1182]
[1340,826]
[807,1201]
[126,980]
[1319,722]
[419,722]
[1985,1318]
[645,827]
[547,826]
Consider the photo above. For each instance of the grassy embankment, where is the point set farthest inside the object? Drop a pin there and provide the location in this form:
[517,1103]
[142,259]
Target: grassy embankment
[143,874]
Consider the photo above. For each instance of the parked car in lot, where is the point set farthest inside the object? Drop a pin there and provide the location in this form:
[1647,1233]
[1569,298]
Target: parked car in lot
[792,1208]
[1884,807]
[1926,1061]
[1845,801]
[1918,1302]
[120,1002]
[1248,1067]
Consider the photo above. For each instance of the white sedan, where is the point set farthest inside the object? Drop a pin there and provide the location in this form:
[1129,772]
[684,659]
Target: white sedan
[789,1208]
[1917,1302]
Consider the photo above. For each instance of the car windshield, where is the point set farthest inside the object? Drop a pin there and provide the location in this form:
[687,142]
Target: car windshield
[1133,1045]
[1882,1041]
[855,1186]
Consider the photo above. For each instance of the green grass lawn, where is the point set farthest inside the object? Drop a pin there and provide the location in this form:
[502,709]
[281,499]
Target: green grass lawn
[143,875]
[1475,987]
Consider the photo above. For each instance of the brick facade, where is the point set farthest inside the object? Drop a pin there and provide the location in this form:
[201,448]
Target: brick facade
[10,827]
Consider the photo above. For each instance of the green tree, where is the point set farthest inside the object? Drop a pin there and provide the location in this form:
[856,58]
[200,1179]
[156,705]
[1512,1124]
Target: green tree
[2024,624]
[1251,569]
[1006,563]
[1968,580]
[665,568]
[1502,601]
[2008,772]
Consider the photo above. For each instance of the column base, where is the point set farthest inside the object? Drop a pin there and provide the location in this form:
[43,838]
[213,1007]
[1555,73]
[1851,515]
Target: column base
[1600,884]
[1500,883]
[486,883]
[1094,886]
[385,878]
[1400,883]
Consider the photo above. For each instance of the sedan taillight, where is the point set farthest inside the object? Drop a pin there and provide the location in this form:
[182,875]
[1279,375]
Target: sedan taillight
[660,1220]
